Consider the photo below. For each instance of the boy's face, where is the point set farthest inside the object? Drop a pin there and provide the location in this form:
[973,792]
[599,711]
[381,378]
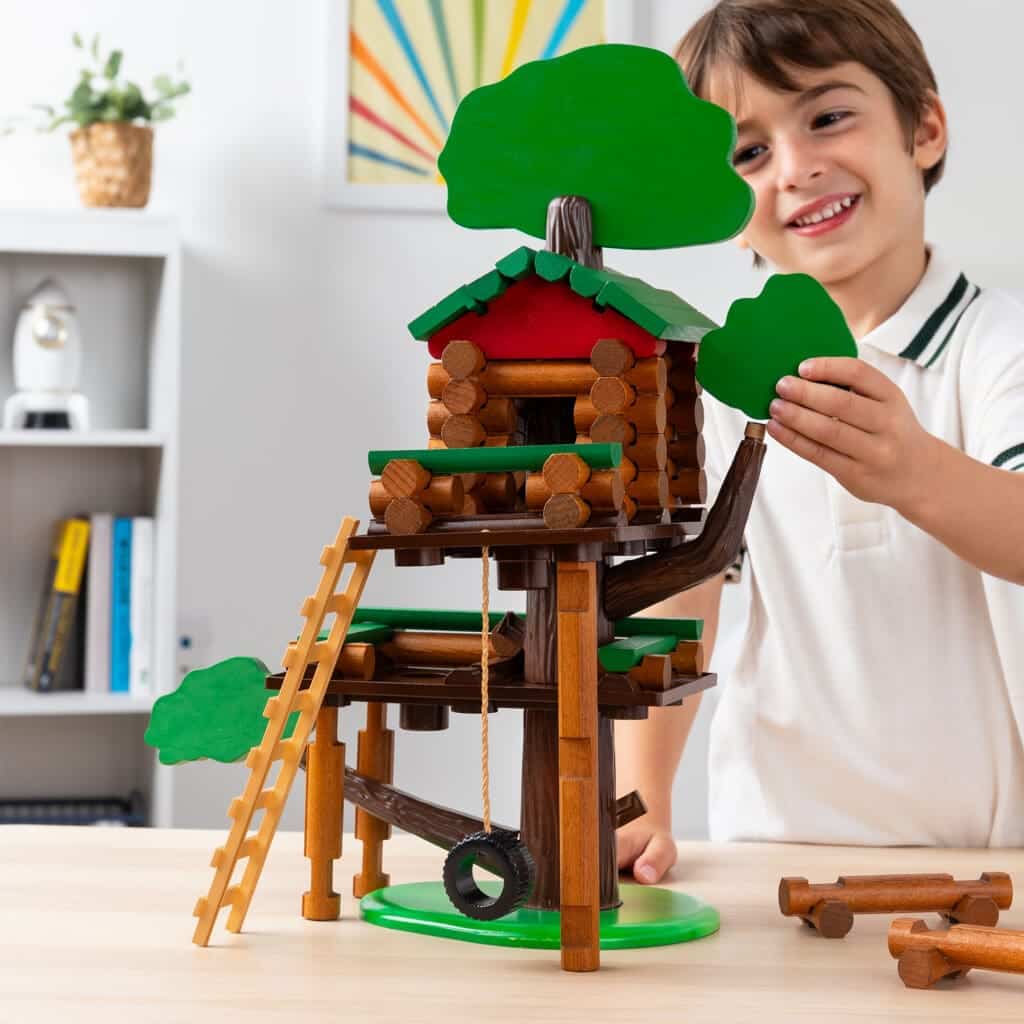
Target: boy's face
[836,141]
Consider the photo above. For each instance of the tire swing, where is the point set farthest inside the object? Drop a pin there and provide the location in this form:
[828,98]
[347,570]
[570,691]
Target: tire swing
[500,851]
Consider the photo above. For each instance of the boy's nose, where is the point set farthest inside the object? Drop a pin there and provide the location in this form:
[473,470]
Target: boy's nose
[797,166]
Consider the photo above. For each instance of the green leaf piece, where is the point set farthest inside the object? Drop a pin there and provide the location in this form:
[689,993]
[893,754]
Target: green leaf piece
[215,713]
[615,124]
[766,338]
[516,265]
[552,266]
[622,655]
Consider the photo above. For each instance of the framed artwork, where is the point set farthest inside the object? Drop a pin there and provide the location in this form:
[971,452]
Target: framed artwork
[396,70]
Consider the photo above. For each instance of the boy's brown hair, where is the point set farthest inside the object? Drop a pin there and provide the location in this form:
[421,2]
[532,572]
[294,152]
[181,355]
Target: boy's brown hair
[760,36]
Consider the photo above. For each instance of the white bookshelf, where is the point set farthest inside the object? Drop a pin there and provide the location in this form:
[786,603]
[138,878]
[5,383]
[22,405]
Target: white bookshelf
[122,270]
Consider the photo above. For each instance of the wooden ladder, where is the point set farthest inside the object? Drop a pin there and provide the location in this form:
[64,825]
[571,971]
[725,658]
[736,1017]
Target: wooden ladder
[306,651]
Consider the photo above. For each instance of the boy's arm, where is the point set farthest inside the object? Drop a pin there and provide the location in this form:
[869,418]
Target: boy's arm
[647,752]
[869,439]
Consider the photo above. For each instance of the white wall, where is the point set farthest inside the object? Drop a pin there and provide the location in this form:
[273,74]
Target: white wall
[296,356]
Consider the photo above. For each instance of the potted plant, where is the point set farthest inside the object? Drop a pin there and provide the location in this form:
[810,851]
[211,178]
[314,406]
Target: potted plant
[112,143]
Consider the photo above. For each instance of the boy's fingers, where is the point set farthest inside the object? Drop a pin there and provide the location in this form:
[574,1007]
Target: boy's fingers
[659,856]
[630,846]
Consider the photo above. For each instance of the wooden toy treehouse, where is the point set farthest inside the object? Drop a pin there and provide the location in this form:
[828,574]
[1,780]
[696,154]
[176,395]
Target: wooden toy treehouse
[564,424]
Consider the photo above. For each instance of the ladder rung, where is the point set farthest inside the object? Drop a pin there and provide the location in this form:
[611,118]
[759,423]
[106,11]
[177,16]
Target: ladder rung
[236,807]
[200,908]
[269,799]
[327,554]
[288,750]
[308,607]
[359,557]
[318,652]
[339,604]
[304,701]
[252,845]
[231,896]
[252,758]
[218,857]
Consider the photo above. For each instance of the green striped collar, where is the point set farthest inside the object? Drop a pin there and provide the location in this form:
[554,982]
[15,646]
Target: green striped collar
[921,329]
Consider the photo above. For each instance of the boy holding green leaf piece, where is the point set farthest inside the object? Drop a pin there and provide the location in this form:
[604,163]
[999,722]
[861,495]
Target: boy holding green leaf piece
[879,695]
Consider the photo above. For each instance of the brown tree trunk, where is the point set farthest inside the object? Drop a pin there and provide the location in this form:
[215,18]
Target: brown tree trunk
[570,231]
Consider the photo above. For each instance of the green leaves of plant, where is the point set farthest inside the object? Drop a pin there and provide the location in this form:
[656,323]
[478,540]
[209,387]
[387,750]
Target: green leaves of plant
[111,101]
[766,338]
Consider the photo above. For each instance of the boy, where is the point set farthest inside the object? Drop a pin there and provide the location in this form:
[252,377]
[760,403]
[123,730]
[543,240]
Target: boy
[879,695]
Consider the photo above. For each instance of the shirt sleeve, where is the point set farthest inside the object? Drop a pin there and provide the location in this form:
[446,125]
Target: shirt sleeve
[992,385]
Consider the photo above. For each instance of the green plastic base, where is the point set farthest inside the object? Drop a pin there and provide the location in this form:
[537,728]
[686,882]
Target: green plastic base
[648,917]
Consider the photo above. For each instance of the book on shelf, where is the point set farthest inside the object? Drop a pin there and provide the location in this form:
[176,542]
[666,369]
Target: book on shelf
[97,605]
[130,635]
[52,662]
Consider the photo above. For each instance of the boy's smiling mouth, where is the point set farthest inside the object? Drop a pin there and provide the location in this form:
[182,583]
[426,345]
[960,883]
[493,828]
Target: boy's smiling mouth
[824,214]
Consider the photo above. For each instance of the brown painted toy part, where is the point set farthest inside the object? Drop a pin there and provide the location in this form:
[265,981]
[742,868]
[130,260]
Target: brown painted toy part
[926,957]
[829,908]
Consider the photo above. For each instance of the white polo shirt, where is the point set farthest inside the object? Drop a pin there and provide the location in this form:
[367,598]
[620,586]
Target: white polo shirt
[878,697]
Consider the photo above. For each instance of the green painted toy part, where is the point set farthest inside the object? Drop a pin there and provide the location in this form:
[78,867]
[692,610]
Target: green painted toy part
[681,629]
[622,655]
[215,713]
[649,916]
[365,632]
[661,313]
[488,287]
[437,620]
[766,338]
[615,124]
[513,459]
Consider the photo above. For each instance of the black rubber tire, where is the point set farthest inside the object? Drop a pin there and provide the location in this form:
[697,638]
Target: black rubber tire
[501,852]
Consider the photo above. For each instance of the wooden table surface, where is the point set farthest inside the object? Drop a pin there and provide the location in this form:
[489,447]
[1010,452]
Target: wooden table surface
[95,924]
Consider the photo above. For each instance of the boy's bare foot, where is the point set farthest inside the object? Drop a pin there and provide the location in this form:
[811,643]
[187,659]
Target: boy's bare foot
[647,847]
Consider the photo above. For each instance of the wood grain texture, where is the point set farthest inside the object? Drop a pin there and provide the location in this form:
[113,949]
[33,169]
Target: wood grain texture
[570,231]
[404,478]
[643,582]
[579,818]
[462,359]
[325,790]
[927,956]
[416,647]
[375,758]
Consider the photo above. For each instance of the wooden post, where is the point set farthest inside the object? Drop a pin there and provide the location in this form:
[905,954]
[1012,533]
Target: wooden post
[577,765]
[375,758]
[325,791]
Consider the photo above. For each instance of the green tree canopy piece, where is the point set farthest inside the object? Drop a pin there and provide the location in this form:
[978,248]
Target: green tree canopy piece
[615,124]
[766,338]
[216,713]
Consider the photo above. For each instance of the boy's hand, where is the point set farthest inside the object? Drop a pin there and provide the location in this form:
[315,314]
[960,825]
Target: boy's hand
[648,848]
[868,437]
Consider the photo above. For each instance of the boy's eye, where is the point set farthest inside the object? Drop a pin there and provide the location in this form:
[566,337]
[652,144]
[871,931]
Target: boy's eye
[746,155]
[832,117]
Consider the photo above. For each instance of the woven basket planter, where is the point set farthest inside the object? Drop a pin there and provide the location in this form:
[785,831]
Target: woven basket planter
[113,163]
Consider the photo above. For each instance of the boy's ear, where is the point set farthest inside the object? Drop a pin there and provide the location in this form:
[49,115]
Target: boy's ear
[931,137]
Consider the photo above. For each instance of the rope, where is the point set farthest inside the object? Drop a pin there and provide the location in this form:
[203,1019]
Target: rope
[485,636]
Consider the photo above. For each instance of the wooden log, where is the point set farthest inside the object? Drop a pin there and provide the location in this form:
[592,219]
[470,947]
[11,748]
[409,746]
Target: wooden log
[687,416]
[612,358]
[463,431]
[565,512]
[437,377]
[682,378]
[375,759]
[687,451]
[583,416]
[653,673]
[462,359]
[971,902]
[497,440]
[649,376]
[435,443]
[629,508]
[540,378]
[604,491]
[498,416]
[405,478]
[411,647]
[325,786]
[650,489]
[628,471]
[648,451]
[690,486]
[578,805]
[496,492]
[565,473]
[648,414]
[611,394]
[405,516]
[379,499]
[461,397]
[925,956]
[688,658]
[443,496]
[609,429]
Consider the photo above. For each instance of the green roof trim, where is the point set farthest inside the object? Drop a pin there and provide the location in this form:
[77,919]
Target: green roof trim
[661,313]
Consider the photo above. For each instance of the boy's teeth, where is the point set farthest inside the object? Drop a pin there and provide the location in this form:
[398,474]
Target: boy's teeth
[826,214]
